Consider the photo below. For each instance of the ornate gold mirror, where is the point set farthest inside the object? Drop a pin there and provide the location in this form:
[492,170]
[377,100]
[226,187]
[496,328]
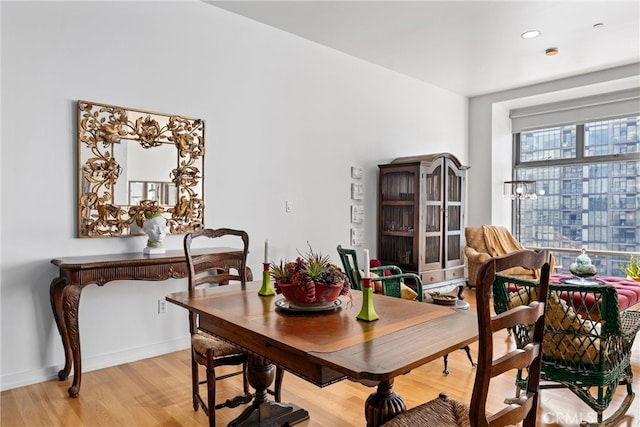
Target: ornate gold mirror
[130,159]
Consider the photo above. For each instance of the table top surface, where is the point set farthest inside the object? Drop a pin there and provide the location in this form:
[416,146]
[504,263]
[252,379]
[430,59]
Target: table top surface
[407,335]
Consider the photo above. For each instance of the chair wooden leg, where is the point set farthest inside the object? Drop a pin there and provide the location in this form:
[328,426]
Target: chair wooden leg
[211,389]
[468,351]
[195,380]
[446,359]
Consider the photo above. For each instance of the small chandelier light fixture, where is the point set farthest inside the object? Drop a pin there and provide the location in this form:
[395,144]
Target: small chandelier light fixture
[522,190]
[518,191]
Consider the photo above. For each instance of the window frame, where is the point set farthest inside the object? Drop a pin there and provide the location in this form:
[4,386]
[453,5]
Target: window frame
[610,259]
[579,159]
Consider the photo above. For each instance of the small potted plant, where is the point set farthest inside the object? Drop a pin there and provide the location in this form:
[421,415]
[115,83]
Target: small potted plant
[632,268]
[310,280]
[152,210]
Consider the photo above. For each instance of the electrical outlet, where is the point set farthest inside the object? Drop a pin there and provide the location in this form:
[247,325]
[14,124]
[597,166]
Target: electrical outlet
[162,306]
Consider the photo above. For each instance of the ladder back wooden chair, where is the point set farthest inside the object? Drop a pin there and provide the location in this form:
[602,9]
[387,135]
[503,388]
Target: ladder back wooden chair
[208,350]
[587,341]
[443,411]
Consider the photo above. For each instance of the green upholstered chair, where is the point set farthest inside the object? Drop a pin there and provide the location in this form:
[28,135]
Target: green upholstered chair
[390,285]
[587,340]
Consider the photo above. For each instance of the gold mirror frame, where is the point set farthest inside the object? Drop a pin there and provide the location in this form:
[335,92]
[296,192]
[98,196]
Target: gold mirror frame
[101,129]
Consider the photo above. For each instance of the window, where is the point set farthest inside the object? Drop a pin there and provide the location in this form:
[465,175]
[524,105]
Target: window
[589,174]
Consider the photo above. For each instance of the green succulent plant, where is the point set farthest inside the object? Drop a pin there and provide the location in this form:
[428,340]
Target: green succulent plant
[306,271]
[632,268]
[309,267]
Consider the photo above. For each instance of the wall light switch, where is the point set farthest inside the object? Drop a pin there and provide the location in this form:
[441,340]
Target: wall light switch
[288,206]
[162,306]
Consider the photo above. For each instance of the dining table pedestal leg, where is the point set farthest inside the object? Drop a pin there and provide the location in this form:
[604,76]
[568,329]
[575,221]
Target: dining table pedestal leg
[264,412]
[383,404]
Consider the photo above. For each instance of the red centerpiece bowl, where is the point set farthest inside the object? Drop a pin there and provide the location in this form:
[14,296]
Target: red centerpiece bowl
[320,295]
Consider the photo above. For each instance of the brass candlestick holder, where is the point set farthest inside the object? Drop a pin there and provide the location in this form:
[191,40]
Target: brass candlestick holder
[367,312]
[266,289]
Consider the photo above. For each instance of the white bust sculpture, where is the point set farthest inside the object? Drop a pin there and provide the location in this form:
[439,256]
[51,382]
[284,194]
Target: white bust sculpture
[156,228]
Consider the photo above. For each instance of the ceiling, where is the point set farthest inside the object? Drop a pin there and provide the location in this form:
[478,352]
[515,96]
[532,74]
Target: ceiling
[468,47]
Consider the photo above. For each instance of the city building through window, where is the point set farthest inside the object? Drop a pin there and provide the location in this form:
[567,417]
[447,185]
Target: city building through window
[589,176]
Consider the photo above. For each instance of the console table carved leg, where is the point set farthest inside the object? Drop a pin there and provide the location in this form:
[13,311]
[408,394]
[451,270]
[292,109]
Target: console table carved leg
[383,404]
[263,412]
[56,290]
[71,301]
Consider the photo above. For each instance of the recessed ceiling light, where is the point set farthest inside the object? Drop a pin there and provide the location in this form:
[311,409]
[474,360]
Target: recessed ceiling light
[551,51]
[530,34]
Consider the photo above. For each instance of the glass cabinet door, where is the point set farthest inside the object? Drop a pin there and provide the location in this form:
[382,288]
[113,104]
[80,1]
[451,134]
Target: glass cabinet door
[454,214]
[433,221]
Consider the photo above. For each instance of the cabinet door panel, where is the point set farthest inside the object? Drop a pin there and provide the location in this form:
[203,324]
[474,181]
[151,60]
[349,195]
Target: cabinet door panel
[397,250]
[433,184]
[397,186]
[434,221]
[433,218]
[454,247]
[454,215]
[454,184]
[398,218]
[454,218]
[433,250]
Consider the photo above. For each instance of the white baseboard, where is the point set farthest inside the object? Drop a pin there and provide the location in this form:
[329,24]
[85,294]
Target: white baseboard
[89,364]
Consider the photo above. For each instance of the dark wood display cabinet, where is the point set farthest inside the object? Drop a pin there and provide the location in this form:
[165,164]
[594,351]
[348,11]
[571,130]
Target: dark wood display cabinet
[421,205]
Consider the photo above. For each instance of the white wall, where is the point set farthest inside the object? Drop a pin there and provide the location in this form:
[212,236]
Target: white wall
[285,120]
[490,142]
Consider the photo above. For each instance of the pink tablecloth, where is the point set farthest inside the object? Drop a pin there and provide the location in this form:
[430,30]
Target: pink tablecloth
[628,290]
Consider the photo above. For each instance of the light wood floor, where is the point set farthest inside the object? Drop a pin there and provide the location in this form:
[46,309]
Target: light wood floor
[156,392]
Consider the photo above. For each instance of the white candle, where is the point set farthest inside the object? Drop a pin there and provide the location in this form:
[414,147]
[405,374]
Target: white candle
[266,252]
[366,264]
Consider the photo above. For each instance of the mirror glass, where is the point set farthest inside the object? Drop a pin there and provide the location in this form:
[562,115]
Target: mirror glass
[130,159]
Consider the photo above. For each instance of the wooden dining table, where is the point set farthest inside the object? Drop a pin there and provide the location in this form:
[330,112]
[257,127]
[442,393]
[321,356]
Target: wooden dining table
[329,346]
